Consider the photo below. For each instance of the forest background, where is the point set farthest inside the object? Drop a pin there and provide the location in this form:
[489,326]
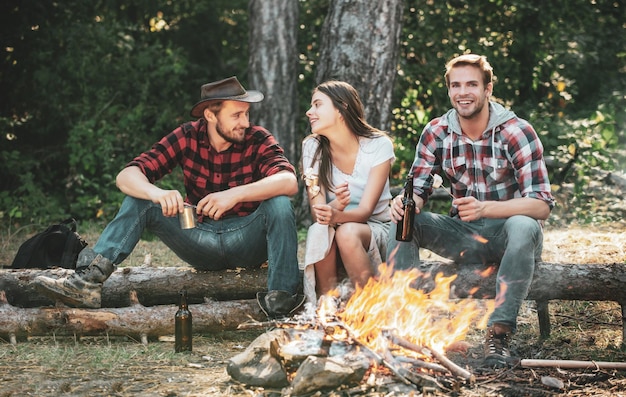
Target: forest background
[86,86]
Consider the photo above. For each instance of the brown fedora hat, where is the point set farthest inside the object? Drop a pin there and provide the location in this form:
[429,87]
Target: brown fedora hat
[227,89]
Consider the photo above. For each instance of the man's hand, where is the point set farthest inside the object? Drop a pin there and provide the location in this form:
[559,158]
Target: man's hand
[397,208]
[214,205]
[470,209]
[171,201]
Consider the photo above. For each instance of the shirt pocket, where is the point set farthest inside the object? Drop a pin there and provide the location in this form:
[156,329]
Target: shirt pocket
[496,170]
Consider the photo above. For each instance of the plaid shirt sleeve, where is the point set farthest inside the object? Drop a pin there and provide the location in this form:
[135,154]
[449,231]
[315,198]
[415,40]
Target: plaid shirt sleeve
[509,165]
[163,157]
[525,152]
[206,171]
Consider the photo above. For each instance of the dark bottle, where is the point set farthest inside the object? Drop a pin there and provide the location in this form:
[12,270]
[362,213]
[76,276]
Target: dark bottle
[182,325]
[404,231]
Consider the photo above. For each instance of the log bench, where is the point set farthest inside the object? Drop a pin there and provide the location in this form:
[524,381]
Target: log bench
[160,285]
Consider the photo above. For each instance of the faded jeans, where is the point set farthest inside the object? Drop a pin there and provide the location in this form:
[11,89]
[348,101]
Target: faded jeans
[268,234]
[515,243]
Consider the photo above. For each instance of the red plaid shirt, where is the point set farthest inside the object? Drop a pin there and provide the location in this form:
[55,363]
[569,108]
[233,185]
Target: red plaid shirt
[507,162]
[205,170]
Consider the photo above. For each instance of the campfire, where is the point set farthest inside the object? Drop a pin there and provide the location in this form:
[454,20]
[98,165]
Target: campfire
[388,331]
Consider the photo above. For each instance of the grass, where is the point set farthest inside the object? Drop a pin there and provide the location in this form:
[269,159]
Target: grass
[49,365]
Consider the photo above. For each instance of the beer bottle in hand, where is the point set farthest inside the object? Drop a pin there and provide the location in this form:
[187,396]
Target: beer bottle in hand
[404,231]
[182,325]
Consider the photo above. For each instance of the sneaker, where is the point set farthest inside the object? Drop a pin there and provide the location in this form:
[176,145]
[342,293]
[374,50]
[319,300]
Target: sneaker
[497,353]
[72,290]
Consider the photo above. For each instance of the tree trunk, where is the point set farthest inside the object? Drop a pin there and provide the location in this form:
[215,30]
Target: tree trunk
[154,286]
[551,281]
[273,62]
[158,286]
[359,44]
[136,320]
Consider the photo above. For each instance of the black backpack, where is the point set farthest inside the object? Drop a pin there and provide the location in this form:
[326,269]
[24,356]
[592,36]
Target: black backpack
[57,246]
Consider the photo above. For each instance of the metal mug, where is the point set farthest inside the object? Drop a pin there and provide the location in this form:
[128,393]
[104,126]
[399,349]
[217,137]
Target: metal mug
[187,218]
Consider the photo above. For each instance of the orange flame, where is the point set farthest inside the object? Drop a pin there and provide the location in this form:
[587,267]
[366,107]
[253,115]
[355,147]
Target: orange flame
[488,271]
[388,302]
[480,238]
[501,292]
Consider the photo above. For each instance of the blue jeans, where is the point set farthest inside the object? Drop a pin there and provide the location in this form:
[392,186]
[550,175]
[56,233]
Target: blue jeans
[515,243]
[268,234]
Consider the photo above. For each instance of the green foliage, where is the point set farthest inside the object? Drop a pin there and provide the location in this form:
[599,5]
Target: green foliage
[561,66]
[91,85]
[95,87]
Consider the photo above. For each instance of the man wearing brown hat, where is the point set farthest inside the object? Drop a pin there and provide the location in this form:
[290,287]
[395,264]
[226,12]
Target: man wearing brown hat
[237,178]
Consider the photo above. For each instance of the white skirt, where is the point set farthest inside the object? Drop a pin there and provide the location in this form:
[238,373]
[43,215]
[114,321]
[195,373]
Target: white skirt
[319,240]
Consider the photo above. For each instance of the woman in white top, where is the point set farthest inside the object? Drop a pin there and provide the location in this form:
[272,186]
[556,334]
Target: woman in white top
[346,165]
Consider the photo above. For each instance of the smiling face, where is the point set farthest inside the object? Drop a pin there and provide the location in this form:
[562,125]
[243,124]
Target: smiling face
[467,91]
[322,114]
[231,121]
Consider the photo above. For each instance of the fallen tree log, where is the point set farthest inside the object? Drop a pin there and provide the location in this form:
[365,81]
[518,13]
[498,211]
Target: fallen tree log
[136,321]
[153,285]
[551,281]
[158,286]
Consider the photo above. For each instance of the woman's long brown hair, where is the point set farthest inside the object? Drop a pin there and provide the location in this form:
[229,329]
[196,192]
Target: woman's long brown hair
[347,100]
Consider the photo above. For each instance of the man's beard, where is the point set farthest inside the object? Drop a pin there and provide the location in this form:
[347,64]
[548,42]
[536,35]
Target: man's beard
[480,105]
[232,137]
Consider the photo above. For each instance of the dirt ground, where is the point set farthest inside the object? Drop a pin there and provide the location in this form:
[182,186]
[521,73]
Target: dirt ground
[100,366]
[103,366]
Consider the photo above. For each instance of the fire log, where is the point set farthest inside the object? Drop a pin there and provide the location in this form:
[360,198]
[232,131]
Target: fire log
[154,285]
[440,357]
[136,320]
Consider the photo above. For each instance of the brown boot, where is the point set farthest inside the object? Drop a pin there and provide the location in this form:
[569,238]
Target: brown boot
[497,340]
[81,289]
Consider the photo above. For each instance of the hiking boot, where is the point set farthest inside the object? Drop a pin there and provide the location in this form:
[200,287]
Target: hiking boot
[83,288]
[276,304]
[497,353]
[85,257]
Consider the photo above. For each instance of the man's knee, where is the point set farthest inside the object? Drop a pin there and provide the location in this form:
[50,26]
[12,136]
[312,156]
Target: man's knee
[523,230]
[279,208]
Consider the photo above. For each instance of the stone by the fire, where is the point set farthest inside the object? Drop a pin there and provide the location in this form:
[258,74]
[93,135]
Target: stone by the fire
[319,373]
[308,343]
[255,366]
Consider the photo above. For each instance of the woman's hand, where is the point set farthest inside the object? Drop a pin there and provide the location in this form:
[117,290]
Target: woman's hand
[323,214]
[342,196]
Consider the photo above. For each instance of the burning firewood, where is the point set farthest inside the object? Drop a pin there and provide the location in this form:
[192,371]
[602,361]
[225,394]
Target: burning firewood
[441,358]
